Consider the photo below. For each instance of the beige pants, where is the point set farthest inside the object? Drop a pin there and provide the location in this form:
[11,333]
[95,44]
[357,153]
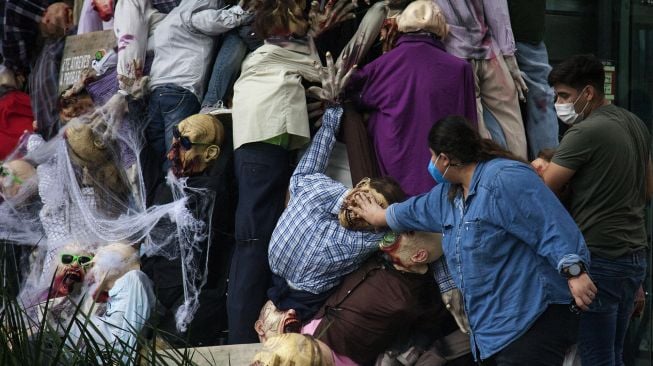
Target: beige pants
[495,91]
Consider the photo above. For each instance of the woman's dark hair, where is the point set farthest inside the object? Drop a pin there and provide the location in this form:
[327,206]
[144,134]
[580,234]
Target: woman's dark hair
[462,143]
[455,136]
[389,188]
[273,17]
[578,71]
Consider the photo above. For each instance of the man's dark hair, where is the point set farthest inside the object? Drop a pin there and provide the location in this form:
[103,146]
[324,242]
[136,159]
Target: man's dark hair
[579,71]
[389,188]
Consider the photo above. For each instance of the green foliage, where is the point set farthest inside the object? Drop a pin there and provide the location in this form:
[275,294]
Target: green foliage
[25,341]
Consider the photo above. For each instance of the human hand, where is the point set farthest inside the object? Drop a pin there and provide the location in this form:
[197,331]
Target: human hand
[583,290]
[540,166]
[453,300]
[515,73]
[332,14]
[640,302]
[333,81]
[368,209]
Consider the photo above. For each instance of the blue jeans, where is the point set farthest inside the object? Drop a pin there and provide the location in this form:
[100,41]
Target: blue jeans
[262,173]
[226,68]
[494,128]
[541,121]
[169,105]
[603,327]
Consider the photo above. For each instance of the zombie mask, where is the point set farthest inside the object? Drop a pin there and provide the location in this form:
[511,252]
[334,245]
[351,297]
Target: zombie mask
[196,144]
[71,270]
[13,174]
[57,20]
[272,322]
[294,349]
[104,8]
[412,251]
[348,219]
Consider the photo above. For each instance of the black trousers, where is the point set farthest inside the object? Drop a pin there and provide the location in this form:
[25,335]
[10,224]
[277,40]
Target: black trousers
[262,173]
[544,344]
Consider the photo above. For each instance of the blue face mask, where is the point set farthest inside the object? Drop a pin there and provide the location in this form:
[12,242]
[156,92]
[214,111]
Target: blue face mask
[435,173]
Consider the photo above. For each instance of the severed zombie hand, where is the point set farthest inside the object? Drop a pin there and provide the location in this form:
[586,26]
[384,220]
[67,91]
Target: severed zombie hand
[515,73]
[321,20]
[333,81]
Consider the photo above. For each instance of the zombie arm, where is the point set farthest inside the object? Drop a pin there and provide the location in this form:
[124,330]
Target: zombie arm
[333,13]
[498,22]
[316,158]
[213,22]
[365,36]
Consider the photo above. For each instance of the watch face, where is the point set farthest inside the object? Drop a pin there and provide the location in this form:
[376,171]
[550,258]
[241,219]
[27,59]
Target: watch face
[574,269]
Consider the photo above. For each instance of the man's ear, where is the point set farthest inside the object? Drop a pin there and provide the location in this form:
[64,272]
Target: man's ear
[592,93]
[211,153]
[258,327]
[420,256]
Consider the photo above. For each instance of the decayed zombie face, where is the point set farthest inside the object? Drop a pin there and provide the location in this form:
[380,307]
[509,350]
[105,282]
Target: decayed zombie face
[272,322]
[75,106]
[104,8]
[13,174]
[347,217]
[71,270]
[57,20]
[195,144]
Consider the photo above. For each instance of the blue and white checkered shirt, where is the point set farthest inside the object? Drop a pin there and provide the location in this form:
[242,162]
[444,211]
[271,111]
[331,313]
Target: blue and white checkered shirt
[309,248]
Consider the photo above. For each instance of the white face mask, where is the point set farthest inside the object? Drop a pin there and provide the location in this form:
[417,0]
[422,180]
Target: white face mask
[566,111]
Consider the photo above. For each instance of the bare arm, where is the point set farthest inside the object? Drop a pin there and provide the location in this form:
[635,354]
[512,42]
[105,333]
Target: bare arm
[556,177]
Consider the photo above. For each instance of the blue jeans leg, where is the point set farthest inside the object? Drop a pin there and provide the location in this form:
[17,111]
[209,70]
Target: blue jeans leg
[262,172]
[226,68]
[541,121]
[169,105]
[603,327]
[494,128]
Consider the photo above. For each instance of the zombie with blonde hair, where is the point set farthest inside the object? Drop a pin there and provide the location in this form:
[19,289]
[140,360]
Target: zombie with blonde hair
[293,349]
[117,279]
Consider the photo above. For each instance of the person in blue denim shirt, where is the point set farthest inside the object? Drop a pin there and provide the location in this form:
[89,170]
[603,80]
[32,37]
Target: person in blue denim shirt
[509,244]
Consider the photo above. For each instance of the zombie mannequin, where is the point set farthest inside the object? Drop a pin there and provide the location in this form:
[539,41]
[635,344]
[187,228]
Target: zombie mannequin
[44,77]
[71,268]
[294,349]
[116,278]
[103,185]
[268,89]
[479,31]
[438,85]
[12,176]
[318,239]
[196,155]
[25,22]
[359,326]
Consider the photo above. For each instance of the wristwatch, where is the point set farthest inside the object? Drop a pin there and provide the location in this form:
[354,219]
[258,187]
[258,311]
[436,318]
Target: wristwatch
[574,270]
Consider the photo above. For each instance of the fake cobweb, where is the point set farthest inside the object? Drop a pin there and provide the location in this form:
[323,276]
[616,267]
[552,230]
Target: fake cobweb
[71,201]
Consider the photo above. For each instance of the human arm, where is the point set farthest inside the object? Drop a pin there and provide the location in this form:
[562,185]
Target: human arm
[556,177]
[419,213]
[364,38]
[529,211]
[213,22]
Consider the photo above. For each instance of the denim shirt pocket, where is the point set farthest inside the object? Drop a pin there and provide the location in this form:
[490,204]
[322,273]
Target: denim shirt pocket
[470,234]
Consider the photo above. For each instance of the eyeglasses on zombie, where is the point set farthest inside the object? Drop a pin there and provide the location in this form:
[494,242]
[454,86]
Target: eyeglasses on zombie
[83,260]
